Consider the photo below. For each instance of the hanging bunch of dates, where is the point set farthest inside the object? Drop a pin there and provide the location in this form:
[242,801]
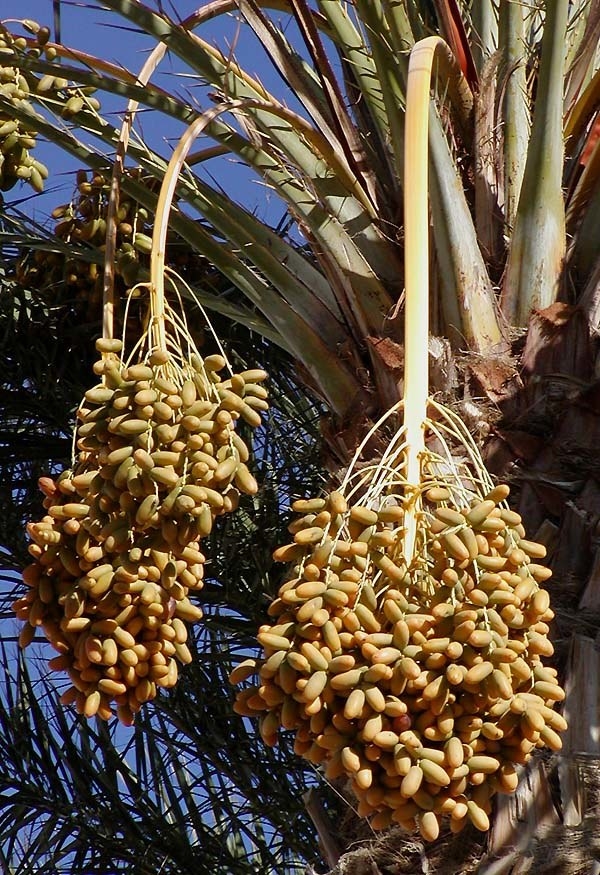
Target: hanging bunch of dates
[119,551]
[82,222]
[20,87]
[424,686]
[17,140]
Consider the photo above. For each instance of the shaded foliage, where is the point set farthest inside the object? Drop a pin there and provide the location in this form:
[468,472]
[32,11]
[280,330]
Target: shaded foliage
[191,788]
[171,795]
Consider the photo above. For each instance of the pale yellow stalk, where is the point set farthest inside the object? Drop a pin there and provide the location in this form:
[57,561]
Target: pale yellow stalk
[416,267]
[161,223]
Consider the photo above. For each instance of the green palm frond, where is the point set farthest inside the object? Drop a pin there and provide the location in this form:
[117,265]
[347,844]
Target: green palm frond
[336,164]
[189,789]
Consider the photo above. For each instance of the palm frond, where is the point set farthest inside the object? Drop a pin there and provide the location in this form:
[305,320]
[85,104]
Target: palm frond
[169,795]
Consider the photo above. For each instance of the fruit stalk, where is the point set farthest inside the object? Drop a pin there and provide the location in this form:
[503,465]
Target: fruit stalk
[159,235]
[416,267]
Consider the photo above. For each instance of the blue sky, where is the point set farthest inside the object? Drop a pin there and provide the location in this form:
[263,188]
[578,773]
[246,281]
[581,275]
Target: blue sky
[99,32]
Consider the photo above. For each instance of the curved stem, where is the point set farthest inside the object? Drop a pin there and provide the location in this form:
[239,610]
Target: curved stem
[115,186]
[416,267]
[167,191]
[143,78]
[161,221]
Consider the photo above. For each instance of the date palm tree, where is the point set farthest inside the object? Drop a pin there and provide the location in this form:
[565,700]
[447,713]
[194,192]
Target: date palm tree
[514,187]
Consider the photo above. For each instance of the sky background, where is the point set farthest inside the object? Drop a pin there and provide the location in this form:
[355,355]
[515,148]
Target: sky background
[102,33]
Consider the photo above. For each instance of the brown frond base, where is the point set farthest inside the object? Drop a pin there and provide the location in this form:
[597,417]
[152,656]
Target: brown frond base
[396,853]
[528,836]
